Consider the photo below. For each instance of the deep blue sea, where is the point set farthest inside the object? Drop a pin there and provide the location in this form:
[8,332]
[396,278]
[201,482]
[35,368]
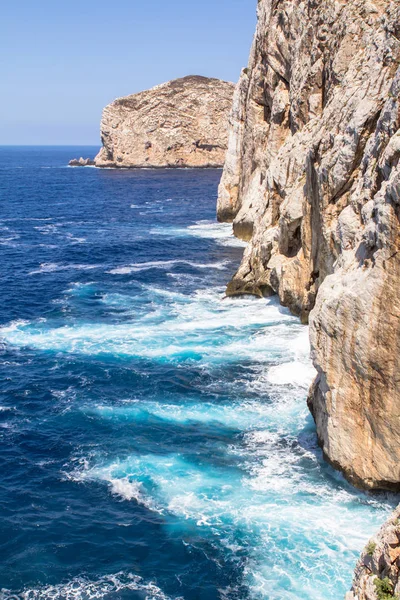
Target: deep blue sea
[154,436]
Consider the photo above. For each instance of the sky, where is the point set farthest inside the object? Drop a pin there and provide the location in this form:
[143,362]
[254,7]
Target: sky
[62,62]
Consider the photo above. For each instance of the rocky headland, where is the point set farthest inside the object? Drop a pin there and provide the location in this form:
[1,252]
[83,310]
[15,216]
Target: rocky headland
[182,123]
[312,182]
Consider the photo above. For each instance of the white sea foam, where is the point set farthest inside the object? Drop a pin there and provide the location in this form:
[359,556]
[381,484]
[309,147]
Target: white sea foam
[127,489]
[165,264]
[170,294]
[75,240]
[120,480]
[242,416]
[162,342]
[122,270]
[281,525]
[9,239]
[292,373]
[76,167]
[179,329]
[270,497]
[28,219]
[298,372]
[220,232]
[280,504]
[49,229]
[83,588]
[52,267]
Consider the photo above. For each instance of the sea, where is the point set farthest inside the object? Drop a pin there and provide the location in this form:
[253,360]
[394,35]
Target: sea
[155,441]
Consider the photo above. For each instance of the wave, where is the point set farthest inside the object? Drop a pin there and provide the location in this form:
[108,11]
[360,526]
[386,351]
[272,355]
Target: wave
[83,588]
[11,219]
[242,416]
[181,330]
[165,264]
[270,498]
[279,526]
[52,267]
[10,240]
[292,373]
[51,228]
[220,232]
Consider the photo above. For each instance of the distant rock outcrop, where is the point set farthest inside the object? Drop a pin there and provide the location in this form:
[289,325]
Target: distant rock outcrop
[81,162]
[182,123]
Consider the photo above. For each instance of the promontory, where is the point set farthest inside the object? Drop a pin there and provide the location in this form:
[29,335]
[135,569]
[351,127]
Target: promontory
[312,181]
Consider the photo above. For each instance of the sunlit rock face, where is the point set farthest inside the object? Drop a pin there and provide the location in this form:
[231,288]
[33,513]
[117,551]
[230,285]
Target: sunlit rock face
[182,123]
[378,570]
[312,181]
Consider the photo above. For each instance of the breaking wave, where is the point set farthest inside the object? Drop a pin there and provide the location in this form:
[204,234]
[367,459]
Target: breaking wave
[220,232]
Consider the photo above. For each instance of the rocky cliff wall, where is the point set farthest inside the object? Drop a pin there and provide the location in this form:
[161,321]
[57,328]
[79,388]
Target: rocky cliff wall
[182,123]
[377,574]
[312,181]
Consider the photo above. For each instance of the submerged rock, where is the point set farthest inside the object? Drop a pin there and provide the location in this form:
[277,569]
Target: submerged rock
[81,162]
[182,123]
[312,181]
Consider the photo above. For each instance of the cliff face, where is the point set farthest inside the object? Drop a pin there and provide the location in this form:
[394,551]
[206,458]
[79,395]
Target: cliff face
[182,123]
[379,566]
[312,180]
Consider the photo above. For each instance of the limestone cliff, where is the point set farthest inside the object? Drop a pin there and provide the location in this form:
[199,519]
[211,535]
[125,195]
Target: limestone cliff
[312,180]
[377,574]
[182,123]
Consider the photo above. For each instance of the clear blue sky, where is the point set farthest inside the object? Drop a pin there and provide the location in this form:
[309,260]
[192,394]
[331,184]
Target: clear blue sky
[61,62]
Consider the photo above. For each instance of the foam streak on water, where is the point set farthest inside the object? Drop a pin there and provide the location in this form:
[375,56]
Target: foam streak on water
[82,588]
[152,428]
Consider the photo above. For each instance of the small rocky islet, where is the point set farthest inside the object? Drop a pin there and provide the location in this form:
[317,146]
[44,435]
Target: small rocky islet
[181,123]
[81,162]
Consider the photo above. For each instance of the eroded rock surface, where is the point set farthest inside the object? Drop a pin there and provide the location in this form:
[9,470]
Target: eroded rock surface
[312,180]
[378,570]
[182,123]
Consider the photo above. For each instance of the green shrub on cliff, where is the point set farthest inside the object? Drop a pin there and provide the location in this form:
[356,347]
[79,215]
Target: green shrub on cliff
[370,549]
[384,588]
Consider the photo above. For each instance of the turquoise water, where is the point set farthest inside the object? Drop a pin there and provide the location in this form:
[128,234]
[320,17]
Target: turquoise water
[155,436]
